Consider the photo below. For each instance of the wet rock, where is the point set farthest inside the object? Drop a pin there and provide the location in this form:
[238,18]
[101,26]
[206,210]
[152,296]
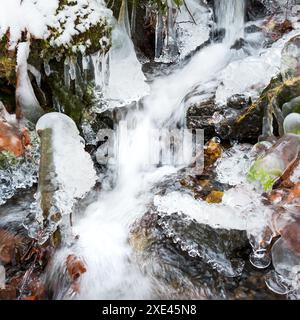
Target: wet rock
[185,276]
[253,29]
[239,44]
[11,246]
[255,9]
[275,29]
[262,110]
[290,59]
[217,35]
[291,106]
[9,293]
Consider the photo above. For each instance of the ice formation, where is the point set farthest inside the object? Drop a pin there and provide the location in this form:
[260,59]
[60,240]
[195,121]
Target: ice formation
[74,171]
[25,96]
[249,76]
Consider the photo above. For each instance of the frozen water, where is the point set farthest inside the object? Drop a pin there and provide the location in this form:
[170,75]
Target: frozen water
[237,161]
[250,75]
[124,67]
[2,277]
[21,175]
[233,213]
[29,104]
[74,170]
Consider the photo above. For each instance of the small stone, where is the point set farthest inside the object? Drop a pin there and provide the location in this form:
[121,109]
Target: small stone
[215,197]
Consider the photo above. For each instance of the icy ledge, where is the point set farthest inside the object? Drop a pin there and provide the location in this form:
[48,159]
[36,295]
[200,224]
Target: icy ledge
[73,172]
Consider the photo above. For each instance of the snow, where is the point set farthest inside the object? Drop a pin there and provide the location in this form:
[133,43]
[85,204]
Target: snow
[74,168]
[38,16]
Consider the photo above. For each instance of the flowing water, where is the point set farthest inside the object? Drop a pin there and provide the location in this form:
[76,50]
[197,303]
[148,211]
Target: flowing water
[104,227]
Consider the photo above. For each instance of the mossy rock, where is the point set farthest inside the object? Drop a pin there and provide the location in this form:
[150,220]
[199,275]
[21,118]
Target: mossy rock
[291,106]
[7,160]
[278,90]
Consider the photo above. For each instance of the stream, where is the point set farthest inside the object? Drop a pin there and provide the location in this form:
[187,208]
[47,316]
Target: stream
[151,220]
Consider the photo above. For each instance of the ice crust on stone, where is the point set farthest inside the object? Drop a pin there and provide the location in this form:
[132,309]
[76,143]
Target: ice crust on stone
[232,213]
[250,75]
[74,170]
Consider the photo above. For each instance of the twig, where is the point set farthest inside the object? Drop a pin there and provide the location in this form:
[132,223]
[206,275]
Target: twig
[188,10]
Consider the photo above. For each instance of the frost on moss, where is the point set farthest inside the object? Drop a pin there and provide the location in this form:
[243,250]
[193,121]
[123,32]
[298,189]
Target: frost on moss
[264,176]
[7,160]
[58,31]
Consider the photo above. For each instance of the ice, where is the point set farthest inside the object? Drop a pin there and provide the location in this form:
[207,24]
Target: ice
[124,67]
[234,164]
[23,174]
[286,277]
[124,17]
[192,26]
[74,170]
[249,76]
[29,104]
[2,277]
[295,177]
[267,169]
[181,31]
[291,123]
[233,213]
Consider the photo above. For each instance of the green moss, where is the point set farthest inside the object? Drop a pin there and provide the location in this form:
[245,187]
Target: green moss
[266,178]
[72,104]
[7,160]
[7,62]
[291,106]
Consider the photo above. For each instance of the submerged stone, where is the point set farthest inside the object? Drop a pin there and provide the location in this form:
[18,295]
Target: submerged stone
[266,170]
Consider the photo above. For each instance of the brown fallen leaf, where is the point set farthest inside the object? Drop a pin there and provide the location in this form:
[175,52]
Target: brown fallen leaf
[75,267]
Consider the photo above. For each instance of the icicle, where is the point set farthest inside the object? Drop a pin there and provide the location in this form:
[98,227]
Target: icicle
[85,62]
[124,17]
[159,28]
[2,277]
[25,96]
[72,70]
[36,74]
[171,47]
[79,83]
[133,17]
[105,69]
[47,68]
[67,72]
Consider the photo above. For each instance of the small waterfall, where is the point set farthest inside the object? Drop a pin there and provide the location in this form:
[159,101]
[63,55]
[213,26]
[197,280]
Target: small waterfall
[230,15]
[103,231]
